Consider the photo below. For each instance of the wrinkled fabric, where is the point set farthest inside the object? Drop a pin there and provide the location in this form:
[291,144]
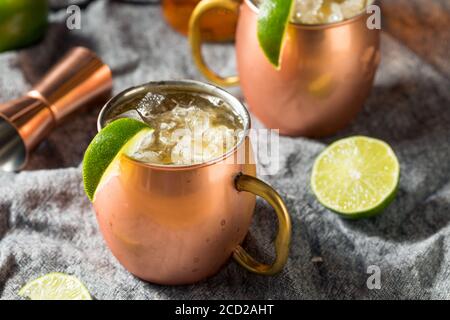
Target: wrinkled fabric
[47,223]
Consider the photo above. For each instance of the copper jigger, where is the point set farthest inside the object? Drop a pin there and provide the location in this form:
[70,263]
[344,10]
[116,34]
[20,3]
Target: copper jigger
[79,79]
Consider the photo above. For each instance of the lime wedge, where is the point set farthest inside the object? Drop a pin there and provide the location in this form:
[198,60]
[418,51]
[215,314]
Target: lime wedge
[102,155]
[22,22]
[55,286]
[356,177]
[273,19]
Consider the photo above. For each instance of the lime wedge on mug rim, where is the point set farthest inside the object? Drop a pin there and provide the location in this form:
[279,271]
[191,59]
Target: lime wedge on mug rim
[55,286]
[119,137]
[356,177]
[273,19]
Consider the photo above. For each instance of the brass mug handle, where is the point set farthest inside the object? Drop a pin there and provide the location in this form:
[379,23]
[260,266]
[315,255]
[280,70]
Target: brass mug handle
[283,239]
[195,38]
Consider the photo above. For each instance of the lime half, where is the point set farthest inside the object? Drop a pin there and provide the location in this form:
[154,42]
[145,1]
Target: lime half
[55,286]
[356,177]
[102,155]
[273,19]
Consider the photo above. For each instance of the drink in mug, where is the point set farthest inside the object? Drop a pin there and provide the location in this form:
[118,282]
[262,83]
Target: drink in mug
[326,11]
[181,202]
[189,128]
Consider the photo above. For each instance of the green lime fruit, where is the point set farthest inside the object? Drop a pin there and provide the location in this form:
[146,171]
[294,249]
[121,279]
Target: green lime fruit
[122,136]
[55,286]
[22,22]
[356,177]
[273,19]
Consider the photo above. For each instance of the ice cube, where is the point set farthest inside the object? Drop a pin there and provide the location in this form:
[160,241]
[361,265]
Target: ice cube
[351,8]
[220,138]
[215,101]
[146,156]
[153,104]
[183,152]
[307,11]
[149,102]
[169,137]
[132,114]
[196,149]
[335,14]
[197,120]
[309,6]
[179,112]
[142,153]
[147,141]
[167,126]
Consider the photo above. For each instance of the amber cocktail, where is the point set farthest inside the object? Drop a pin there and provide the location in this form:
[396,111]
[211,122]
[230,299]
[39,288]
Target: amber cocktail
[218,25]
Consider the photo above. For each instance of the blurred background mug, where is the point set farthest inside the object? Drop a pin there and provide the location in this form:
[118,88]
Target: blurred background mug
[326,73]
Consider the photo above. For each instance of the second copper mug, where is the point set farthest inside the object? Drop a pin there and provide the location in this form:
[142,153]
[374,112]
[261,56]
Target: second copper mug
[180,224]
[326,71]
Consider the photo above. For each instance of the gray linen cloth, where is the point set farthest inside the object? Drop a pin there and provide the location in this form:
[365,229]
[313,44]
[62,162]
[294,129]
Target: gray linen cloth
[47,223]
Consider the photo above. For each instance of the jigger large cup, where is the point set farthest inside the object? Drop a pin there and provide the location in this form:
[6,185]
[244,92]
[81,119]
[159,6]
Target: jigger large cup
[326,71]
[180,224]
[79,80]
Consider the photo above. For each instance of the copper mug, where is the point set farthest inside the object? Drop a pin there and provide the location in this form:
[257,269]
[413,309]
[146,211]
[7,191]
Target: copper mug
[180,224]
[326,71]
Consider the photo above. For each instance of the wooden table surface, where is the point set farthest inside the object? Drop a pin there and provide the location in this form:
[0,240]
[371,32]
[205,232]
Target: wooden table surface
[423,26]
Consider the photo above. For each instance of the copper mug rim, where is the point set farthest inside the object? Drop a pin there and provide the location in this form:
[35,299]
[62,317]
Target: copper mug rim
[318,26]
[201,87]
